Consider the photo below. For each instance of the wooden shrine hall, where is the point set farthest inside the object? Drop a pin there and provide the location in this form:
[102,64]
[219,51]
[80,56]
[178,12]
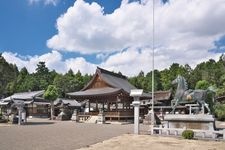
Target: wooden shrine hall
[107,91]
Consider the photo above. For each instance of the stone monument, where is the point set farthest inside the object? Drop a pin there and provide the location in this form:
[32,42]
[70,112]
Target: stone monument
[20,108]
[75,116]
[184,95]
[197,120]
[136,94]
[101,117]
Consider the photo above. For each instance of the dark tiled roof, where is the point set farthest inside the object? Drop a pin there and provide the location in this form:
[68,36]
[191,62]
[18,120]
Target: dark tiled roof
[162,95]
[28,97]
[113,79]
[24,95]
[96,92]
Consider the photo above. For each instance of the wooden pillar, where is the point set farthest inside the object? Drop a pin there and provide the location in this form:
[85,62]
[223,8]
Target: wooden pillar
[32,109]
[108,106]
[89,106]
[116,106]
[123,106]
[96,105]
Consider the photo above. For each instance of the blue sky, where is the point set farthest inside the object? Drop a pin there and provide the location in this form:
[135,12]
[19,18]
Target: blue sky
[26,27]
[113,34]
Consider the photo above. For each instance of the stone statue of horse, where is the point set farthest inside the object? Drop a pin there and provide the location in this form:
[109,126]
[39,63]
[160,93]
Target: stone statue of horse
[185,95]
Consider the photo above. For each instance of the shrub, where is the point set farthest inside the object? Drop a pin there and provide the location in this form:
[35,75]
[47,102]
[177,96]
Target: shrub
[220,111]
[188,134]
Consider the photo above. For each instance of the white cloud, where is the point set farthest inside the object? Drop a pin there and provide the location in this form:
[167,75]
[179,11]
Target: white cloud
[182,28]
[45,2]
[53,60]
[133,60]
[184,32]
[178,25]
[81,64]
[130,61]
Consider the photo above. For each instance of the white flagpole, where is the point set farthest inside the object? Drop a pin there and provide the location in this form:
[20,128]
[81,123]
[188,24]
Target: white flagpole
[153,67]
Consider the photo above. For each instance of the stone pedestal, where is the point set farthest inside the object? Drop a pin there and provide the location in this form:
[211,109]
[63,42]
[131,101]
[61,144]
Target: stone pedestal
[101,117]
[75,116]
[20,109]
[136,103]
[24,116]
[136,94]
[198,122]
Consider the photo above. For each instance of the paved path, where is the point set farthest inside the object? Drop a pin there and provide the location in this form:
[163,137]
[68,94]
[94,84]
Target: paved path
[42,134]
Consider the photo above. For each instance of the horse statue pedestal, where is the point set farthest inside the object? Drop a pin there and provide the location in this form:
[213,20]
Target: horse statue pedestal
[202,122]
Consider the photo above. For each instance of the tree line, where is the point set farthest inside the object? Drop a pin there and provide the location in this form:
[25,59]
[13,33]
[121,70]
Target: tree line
[13,81]
[205,74]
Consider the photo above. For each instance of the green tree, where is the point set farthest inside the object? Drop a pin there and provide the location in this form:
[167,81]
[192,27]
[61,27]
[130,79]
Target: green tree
[210,71]
[62,84]
[21,80]
[70,82]
[70,73]
[8,74]
[168,75]
[43,76]
[134,81]
[86,79]
[78,81]
[51,94]
[220,111]
[157,81]
[165,79]
[30,83]
[202,84]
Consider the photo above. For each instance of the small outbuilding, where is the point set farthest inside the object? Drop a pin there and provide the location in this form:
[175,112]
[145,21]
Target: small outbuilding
[64,108]
[34,103]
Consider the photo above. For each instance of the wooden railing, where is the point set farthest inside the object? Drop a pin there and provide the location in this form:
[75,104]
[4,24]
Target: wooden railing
[129,113]
[119,113]
[109,115]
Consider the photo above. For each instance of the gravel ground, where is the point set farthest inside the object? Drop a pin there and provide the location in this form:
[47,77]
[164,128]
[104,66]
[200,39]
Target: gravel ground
[43,134]
[147,142]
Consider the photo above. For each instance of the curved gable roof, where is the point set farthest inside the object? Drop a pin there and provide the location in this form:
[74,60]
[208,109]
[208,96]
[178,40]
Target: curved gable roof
[25,95]
[112,79]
